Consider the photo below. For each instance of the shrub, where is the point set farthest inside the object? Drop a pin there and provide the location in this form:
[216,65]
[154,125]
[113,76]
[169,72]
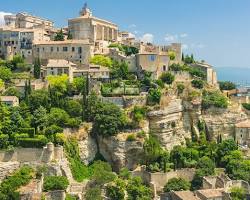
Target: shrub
[154,96]
[167,77]
[141,134]
[171,55]
[30,131]
[116,191]
[60,138]
[55,183]
[177,184]
[227,85]
[52,130]
[131,138]
[13,182]
[195,72]
[246,106]
[4,141]
[215,99]
[71,197]
[94,193]
[199,84]
[78,169]
[139,113]
[101,60]
[180,88]
[38,142]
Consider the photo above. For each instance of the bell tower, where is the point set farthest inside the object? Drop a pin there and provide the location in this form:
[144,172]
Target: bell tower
[85,11]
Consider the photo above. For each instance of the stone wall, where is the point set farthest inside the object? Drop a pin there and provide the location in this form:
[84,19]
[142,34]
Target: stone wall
[22,155]
[7,168]
[159,179]
[56,195]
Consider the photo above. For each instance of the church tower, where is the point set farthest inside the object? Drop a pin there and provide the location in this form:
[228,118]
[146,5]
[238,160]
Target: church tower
[85,11]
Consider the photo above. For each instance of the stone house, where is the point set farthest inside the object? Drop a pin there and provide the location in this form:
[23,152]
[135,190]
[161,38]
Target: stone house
[242,133]
[36,84]
[58,67]
[15,41]
[10,100]
[76,51]
[211,76]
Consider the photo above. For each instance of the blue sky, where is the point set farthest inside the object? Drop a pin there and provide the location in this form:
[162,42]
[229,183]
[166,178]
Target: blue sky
[217,31]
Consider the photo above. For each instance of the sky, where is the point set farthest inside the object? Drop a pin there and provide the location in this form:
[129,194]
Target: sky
[217,31]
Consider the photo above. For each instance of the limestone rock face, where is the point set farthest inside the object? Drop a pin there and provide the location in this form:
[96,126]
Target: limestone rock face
[88,149]
[222,122]
[168,124]
[6,168]
[120,153]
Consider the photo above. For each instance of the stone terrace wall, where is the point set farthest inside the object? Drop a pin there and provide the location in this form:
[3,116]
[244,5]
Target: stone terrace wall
[45,154]
[159,179]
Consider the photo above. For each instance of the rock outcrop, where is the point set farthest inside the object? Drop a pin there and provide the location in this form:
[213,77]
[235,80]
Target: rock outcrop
[168,124]
[87,149]
[121,153]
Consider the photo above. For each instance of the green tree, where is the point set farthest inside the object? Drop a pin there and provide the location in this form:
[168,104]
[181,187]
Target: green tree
[227,85]
[37,68]
[108,120]
[196,83]
[73,108]
[39,98]
[58,117]
[5,73]
[70,36]
[16,61]
[94,193]
[101,60]
[59,36]
[177,184]
[172,55]
[79,83]
[238,193]
[40,119]
[154,96]
[116,190]
[167,77]
[136,190]
[12,91]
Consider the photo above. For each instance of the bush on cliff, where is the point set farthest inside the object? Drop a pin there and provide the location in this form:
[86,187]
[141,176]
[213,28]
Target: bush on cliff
[167,78]
[177,184]
[199,84]
[215,99]
[246,106]
[227,85]
[55,183]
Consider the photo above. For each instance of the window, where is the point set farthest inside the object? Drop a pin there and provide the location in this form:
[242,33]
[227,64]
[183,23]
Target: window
[57,49]
[51,49]
[152,58]
[79,50]
[164,68]
[43,48]
[65,49]
[37,49]
[73,49]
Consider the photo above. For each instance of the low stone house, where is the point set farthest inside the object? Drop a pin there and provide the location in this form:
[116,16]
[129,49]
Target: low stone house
[10,100]
[242,133]
[37,84]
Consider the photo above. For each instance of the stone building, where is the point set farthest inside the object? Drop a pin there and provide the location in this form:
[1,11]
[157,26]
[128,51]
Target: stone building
[76,51]
[9,100]
[156,59]
[98,31]
[15,41]
[242,133]
[211,76]
[58,67]
[25,20]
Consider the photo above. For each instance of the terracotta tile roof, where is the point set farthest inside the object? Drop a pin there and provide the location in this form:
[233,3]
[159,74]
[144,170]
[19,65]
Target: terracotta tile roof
[211,193]
[186,195]
[244,124]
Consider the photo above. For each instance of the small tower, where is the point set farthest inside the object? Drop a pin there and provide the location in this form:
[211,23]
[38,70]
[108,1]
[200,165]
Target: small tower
[85,11]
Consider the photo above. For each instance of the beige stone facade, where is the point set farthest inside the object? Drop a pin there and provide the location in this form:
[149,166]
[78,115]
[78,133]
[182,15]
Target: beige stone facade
[10,100]
[98,31]
[25,20]
[58,67]
[76,51]
[156,59]
[242,133]
[15,41]
[94,71]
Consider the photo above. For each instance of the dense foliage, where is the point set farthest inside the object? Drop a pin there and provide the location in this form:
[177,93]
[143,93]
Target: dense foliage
[177,184]
[9,185]
[55,183]
[196,83]
[227,85]
[128,50]
[214,98]
[101,60]
[167,78]
[246,106]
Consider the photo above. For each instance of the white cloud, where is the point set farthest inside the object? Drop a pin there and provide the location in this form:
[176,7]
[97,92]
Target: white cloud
[170,38]
[2,17]
[183,35]
[184,46]
[132,26]
[147,38]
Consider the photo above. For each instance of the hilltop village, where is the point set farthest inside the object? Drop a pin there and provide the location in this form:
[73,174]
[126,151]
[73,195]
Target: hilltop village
[91,112]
